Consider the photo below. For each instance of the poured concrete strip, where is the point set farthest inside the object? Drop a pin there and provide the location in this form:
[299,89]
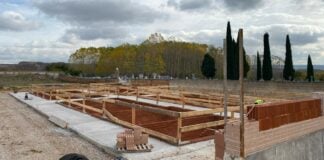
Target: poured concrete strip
[58,121]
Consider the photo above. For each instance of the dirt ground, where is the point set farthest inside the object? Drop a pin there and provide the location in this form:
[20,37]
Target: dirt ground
[26,135]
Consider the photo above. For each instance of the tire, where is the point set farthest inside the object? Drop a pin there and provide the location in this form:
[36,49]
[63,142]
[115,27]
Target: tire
[74,156]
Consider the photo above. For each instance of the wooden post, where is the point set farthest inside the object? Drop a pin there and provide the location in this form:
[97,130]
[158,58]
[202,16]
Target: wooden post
[241,93]
[103,107]
[133,115]
[137,94]
[50,98]
[225,81]
[179,129]
[69,100]
[158,98]
[117,89]
[89,90]
[182,100]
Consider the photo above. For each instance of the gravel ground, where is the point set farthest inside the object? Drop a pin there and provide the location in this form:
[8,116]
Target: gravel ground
[26,135]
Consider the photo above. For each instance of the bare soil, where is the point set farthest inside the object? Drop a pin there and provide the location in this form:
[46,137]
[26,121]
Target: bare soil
[27,135]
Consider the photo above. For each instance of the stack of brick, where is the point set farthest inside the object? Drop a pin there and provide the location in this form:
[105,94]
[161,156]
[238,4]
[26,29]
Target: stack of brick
[130,138]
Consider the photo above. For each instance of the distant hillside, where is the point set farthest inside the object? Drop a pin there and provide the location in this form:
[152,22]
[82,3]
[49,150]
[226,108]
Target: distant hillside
[304,67]
[275,60]
[24,66]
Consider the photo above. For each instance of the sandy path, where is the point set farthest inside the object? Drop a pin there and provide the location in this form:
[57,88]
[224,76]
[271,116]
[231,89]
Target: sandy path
[26,135]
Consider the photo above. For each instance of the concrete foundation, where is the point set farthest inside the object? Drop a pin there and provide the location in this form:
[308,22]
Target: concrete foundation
[308,147]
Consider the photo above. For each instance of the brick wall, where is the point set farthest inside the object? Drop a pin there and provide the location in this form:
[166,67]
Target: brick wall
[257,140]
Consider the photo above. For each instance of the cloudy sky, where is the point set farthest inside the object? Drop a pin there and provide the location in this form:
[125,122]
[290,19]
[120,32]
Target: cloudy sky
[49,31]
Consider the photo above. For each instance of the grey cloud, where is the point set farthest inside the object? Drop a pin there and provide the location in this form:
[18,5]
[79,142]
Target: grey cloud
[13,21]
[93,11]
[190,4]
[299,34]
[194,4]
[306,36]
[92,33]
[242,4]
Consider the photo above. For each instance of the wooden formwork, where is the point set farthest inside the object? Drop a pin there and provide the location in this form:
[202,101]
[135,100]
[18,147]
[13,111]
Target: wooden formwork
[175,118]
[183,122]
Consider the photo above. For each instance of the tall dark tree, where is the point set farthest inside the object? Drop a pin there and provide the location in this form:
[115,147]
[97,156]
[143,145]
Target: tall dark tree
[259,72]
[310,70]
[208,66]
[288,72]
[230,53]
[267,66]
[246,65]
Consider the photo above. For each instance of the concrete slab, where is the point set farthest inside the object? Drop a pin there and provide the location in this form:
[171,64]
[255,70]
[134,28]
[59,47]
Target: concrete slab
[103,133]
[58,121]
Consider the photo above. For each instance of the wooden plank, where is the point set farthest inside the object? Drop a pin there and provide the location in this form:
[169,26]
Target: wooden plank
[148,131]
[198,113]
[201,126]
[149,109]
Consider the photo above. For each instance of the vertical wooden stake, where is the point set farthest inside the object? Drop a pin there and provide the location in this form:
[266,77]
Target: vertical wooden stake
[182,100]
[178,129]
[103,107]
[69,101]
[242,150]
[225,81]
[133,115]
[137,94]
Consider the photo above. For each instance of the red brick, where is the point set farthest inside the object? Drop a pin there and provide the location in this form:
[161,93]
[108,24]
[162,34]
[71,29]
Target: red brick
[265,124]
[276,122]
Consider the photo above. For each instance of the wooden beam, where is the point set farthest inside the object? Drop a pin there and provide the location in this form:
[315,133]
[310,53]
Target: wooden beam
[204,112]
[149,109]
[201,126]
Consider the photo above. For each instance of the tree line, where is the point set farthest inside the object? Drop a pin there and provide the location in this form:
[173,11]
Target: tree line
[179,60]
[265,71]
[171,58]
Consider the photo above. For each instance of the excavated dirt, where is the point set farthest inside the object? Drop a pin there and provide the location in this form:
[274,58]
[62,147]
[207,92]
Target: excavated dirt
[26,135]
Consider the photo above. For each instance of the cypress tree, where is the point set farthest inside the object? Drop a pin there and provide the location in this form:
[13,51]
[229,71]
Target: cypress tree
[267,66]
[246,65]
[208,66]
[230,52]
[310,70]
[236,64]
[288,72]
[258,67]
